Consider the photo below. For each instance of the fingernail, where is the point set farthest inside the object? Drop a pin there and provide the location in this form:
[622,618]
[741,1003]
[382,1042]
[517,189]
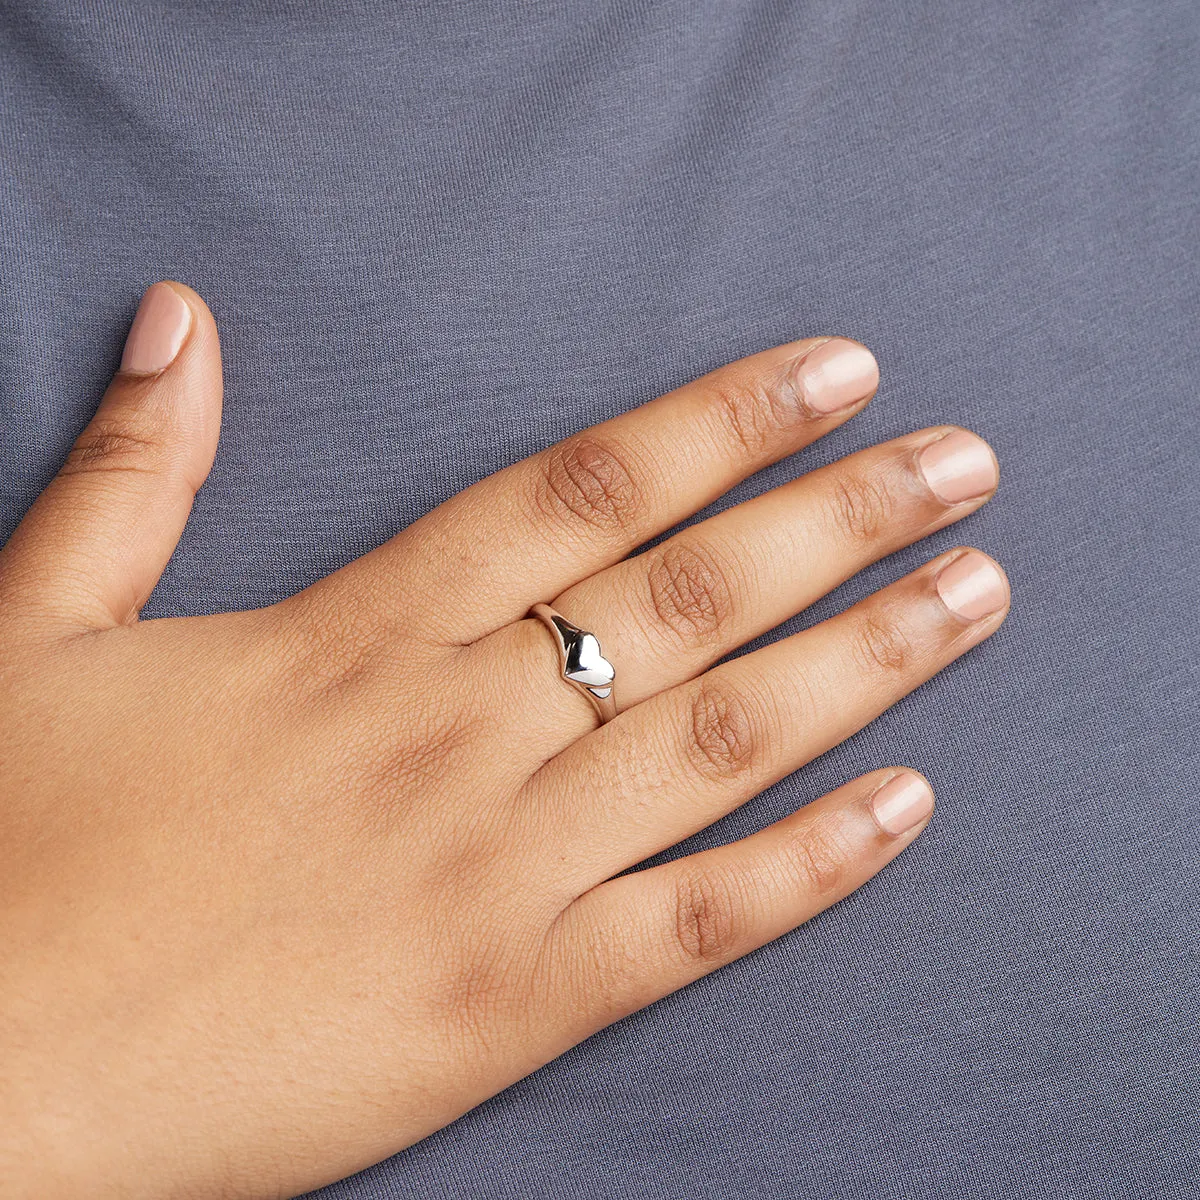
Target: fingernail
[958,467]
[902,803]
[159,327]
[972,586]
[837,374]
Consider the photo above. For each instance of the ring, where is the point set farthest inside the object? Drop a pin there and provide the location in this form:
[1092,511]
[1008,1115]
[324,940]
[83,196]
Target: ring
[582,664]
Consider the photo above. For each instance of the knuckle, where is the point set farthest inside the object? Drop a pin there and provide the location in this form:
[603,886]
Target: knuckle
[722,734]
[706,921]
[606,977]
[881,645]
[820,862]
[689,592]
[109,447]
[861,507]
[476,1003]
[585,481]
[332,652]
[432,748]
[753,408]
[478,992]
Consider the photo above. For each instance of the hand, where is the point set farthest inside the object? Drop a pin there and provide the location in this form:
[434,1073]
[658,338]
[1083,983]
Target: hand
[283,891]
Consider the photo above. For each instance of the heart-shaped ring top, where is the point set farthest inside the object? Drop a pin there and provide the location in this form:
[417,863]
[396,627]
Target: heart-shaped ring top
[582,663]
[586,665]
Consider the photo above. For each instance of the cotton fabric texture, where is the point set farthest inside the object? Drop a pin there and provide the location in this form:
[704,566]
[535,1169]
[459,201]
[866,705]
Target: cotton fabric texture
[438,237]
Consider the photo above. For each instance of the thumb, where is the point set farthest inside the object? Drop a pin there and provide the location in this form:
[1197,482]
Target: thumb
[93,545]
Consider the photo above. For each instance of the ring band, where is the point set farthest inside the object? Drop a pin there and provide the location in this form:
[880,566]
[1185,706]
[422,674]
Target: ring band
[582,664]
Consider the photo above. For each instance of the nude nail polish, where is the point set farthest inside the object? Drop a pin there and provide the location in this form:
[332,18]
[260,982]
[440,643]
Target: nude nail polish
[958,467]
[902,803]
[836,375]
[972,586]
[159,327]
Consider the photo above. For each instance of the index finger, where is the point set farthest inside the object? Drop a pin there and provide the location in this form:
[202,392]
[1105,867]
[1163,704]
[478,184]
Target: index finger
[478,561]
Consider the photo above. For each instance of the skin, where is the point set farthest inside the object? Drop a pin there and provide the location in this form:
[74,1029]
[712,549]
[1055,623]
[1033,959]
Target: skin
[284,891]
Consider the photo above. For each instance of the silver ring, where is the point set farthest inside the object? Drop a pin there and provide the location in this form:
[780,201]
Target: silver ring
[582,664]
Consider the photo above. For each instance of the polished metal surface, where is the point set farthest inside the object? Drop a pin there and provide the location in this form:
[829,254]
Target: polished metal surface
[581,661]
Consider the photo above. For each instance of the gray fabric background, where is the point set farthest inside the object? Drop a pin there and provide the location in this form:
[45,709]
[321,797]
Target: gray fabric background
[438,236]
